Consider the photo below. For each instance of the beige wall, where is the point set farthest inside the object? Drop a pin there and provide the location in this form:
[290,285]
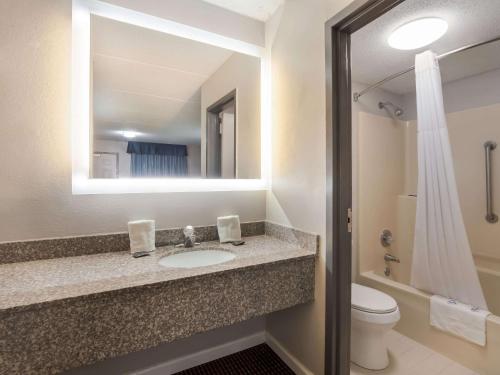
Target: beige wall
[36,172]
[380,180]
[368,104]
[297,196]
[240,72]
[468,130]
[35,168]
[298,166]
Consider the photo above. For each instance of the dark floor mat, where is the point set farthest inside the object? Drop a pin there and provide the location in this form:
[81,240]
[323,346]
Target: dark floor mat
[258,360]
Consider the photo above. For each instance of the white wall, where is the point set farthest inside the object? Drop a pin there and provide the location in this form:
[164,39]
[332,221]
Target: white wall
[298,196]
[194,160]
[240,72]
[471,92]
[35,167]
[36,199]
[368,103]
[201,15]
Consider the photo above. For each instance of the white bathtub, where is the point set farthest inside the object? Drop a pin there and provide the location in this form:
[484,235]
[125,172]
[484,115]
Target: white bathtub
[414,323]
[488,269]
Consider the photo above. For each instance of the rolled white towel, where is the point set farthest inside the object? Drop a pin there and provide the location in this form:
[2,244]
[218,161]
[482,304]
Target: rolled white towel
[142,235]
[228,228]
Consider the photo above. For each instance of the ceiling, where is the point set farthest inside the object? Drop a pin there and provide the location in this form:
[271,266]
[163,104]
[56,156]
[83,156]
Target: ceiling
[149,82]
[261,10]
[470,21]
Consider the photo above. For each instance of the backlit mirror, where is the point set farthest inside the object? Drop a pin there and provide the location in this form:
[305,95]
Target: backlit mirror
[166,106]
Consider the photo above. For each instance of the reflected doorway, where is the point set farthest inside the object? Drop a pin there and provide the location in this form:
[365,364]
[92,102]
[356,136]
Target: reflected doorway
[221,138]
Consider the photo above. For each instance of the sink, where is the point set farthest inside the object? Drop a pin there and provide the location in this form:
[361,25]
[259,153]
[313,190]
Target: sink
[196,258]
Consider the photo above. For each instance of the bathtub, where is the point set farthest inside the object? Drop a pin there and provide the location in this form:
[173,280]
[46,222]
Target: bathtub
[415,304]
[488,269]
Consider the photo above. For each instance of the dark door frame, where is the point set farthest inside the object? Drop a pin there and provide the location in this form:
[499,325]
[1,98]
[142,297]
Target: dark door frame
[212,114]
[339,177]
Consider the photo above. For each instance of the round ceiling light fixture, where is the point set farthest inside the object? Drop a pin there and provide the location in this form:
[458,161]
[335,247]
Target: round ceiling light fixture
[417,34]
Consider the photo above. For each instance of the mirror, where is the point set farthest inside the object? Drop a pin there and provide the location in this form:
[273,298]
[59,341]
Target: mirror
[166,106]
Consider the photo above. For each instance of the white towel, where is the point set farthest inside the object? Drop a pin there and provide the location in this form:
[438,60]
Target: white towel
[228,228]
[142,235]
[462,320]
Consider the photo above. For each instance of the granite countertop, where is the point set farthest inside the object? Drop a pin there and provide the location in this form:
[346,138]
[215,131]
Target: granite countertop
[33,284]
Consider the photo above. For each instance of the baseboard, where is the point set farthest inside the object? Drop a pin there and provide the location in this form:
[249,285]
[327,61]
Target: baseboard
[287,357]
[204,356]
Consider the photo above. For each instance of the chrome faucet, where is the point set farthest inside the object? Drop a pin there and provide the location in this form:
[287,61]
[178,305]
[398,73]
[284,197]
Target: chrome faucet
[391,258]
[189,237]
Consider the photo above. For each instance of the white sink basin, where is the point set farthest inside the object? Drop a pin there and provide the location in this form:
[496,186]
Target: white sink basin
[196,258]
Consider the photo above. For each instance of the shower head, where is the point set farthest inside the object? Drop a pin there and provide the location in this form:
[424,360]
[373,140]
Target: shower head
[396,111]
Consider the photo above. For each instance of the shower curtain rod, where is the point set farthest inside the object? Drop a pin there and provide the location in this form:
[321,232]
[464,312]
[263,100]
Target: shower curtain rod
[357,95]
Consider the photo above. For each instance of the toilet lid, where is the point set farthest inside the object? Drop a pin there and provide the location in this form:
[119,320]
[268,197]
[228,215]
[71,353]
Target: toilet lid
[371,300]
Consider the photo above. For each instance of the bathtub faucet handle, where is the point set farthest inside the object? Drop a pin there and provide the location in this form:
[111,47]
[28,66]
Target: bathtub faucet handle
[386,238]
[391,258]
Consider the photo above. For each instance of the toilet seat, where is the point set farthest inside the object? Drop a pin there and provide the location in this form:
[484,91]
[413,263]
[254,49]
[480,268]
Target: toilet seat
[371,300]
[372,306]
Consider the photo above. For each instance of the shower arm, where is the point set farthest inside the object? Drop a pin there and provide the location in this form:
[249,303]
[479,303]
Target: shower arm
[397,111]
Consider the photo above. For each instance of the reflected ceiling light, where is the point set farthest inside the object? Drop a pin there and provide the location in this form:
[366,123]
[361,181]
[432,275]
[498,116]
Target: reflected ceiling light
[418,33]
[129,134]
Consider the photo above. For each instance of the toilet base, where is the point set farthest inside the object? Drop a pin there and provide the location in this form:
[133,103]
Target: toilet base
[368,345]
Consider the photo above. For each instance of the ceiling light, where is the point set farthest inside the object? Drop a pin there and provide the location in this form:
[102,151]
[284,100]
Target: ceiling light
[129,134]
[418,33]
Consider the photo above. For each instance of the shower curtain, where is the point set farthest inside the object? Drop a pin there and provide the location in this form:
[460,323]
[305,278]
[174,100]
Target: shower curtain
[442,258]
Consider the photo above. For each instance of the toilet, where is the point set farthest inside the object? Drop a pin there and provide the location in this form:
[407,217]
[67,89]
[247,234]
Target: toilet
[373,315]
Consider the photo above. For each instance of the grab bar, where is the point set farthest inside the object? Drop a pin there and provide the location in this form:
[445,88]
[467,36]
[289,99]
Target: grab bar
[491,217]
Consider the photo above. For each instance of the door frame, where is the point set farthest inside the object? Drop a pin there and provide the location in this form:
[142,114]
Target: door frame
[338,32]
[212,112]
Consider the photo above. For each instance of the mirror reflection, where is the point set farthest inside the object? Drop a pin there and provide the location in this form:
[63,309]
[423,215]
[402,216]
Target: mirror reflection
[165,106]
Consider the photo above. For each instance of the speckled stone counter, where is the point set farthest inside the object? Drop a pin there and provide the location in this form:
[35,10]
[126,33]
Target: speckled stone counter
[50,248]
[62,313]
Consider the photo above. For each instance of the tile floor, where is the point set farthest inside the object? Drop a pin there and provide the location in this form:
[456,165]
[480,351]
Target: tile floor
[408,357]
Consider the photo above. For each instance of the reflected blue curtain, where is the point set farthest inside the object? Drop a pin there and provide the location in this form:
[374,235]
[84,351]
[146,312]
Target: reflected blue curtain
[157,160]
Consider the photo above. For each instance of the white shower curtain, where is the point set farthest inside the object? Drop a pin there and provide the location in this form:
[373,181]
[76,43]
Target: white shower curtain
[442,258]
